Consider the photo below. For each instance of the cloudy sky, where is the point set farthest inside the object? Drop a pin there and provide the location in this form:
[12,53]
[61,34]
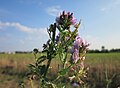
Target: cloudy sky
[23,23]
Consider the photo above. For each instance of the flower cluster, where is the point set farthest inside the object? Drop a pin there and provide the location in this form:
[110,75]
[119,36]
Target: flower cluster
[79,46]
[66,19]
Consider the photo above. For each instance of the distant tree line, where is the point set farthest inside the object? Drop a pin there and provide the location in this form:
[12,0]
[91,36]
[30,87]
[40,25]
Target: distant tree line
[25,52]
[18,52]
[15,52]
[103,50]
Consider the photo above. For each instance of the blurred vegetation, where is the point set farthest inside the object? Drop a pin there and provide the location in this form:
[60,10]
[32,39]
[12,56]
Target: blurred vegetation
[104,70]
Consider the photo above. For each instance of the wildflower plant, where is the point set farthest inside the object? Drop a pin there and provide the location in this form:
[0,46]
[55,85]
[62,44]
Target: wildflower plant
[68,46]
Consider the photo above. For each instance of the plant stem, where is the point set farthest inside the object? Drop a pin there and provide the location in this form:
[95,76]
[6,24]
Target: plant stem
[48,64]
[49,54]
[57,78]
[31,82]
[64,65]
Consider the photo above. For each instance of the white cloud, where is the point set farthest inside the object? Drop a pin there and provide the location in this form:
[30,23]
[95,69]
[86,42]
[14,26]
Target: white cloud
[111,5]
[54,10]
[34,37]
[21,27]
[95,42]
[109,41]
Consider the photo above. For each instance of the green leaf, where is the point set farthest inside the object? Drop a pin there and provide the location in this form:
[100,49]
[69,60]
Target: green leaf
[63,71]
[44,51]
[32,67]
[41,59]
[42,69]
[62,57]
[59,28]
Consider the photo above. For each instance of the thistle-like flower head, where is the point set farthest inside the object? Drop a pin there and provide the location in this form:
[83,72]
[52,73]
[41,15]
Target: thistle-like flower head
[66,19]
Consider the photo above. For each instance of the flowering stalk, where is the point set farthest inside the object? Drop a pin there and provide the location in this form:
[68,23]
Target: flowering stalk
[51,48]
[66,43]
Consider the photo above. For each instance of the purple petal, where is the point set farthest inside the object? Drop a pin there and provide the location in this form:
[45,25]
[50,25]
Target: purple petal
[73,21]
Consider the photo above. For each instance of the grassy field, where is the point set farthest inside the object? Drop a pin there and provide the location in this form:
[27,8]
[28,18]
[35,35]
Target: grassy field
[104,70]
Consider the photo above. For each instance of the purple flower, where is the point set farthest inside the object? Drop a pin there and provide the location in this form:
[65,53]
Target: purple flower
[78,42]
[85,43]
[82,62]
[73,21]
[57,38]
[66,18]
[78,45]
[75,84]
[75,49]
[75,56]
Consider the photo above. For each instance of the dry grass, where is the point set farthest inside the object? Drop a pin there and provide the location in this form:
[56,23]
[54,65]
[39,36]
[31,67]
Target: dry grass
[13,70]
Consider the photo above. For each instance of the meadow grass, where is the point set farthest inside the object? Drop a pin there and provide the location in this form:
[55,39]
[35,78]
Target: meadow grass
[104,67]
[104,70]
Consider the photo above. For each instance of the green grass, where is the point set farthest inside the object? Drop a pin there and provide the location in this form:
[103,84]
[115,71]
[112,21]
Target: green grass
[100,64]
[104,69]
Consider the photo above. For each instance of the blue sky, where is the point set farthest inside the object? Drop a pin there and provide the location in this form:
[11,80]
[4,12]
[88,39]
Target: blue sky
[23,23]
